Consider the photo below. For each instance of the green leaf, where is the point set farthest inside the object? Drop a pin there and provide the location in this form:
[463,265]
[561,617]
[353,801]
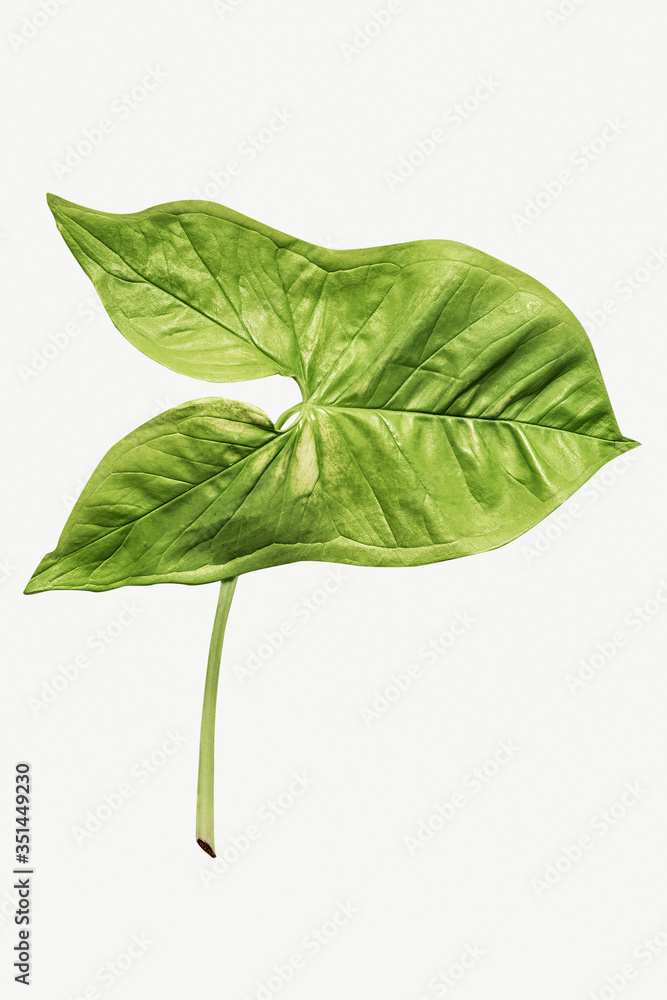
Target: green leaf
[450,403]
[189,286]
[151,504]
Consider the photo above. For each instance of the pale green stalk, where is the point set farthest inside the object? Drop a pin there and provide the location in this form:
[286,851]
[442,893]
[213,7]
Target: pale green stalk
[205,792]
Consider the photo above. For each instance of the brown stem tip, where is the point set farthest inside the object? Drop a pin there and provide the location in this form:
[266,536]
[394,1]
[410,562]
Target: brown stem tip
[206,847]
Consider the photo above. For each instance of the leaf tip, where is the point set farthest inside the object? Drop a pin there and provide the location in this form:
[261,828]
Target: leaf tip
[39,581]
[59,206]
[54,200]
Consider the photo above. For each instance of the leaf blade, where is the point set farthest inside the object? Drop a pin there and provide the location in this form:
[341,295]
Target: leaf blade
[452,402]
[161,278]
[149,491]
[355,486]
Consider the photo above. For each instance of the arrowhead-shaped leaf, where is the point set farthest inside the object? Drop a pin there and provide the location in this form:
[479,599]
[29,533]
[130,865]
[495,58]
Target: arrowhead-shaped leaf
[450,402]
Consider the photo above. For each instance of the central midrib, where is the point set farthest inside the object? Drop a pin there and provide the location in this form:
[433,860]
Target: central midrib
[456,416]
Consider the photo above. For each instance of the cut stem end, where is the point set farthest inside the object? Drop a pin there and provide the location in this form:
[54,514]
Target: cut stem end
[206,848]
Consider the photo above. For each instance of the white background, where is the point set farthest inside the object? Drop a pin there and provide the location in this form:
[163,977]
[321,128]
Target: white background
[540,604]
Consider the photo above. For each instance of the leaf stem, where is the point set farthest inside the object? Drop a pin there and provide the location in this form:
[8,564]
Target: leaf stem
[284,417]
[205,808]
